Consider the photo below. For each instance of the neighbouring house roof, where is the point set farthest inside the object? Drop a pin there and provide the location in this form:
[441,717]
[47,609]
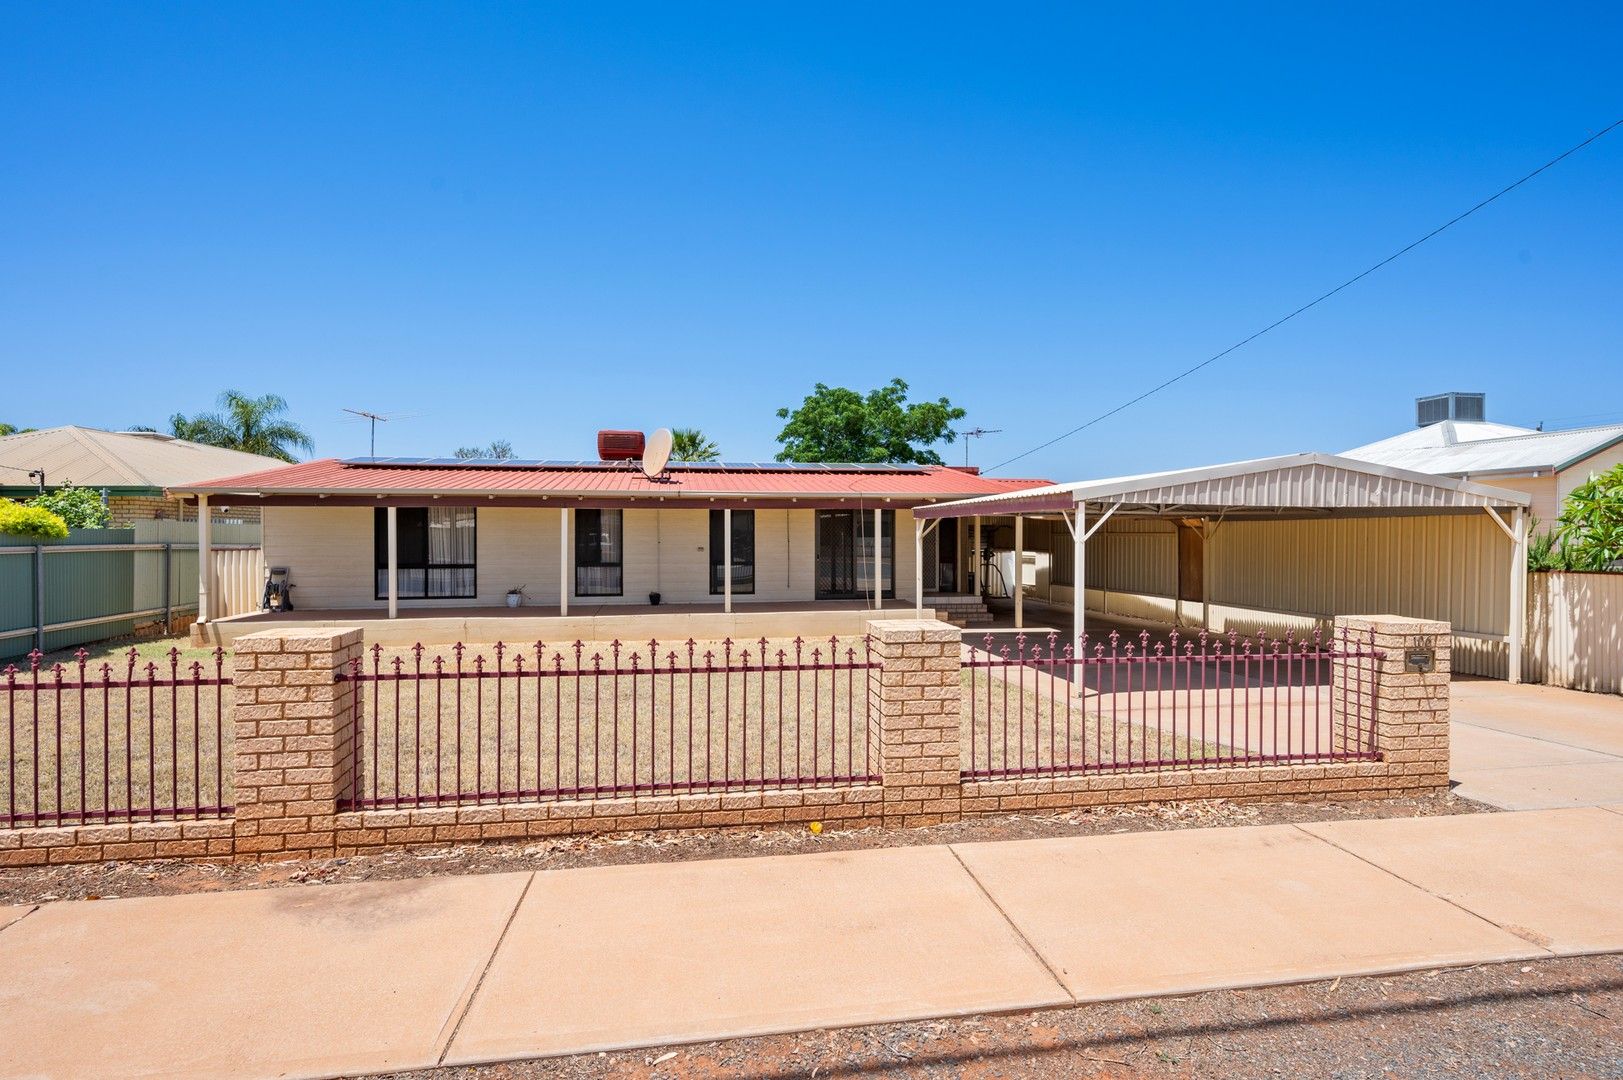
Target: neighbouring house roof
[1293,485]
[123,461]
[601,481]
[1459,448]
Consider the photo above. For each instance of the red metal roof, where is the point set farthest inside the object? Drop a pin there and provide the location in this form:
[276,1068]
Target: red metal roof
[330,476]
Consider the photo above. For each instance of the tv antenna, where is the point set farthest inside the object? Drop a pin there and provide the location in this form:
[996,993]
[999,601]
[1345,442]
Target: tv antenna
[976,433]
[374,419]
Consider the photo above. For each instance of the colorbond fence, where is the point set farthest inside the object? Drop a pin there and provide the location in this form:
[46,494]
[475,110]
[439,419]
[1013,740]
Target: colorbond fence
[104,583]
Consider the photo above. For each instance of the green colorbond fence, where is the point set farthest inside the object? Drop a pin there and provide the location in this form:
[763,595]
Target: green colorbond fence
[100,583]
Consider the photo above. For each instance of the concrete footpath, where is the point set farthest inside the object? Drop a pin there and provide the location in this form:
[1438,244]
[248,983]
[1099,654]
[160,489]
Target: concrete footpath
[327,980]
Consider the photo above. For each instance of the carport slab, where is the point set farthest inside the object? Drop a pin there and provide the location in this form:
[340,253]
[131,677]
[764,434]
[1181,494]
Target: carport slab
[261,983]
[1177,912]
[694,951]
[1554,877]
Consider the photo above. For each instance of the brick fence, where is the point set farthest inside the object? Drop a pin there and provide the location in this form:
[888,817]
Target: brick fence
[293,726]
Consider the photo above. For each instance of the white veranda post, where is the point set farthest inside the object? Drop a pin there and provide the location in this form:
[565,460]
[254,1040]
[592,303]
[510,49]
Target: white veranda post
[394,562]
[918,567]
[878,557]
[563,560]
[727,560]
[975,560]
[205,560]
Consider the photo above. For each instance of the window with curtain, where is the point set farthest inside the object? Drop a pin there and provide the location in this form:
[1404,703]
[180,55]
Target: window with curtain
[743,551]
[599,553]
[435,552]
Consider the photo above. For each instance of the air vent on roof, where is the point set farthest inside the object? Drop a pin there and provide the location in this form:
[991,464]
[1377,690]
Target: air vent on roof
[620,445]
[1452,406]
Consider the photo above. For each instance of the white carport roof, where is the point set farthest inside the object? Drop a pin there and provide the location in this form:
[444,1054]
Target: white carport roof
[1309,485]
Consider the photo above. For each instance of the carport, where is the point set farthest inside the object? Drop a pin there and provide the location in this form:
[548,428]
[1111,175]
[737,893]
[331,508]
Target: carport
[1302,537]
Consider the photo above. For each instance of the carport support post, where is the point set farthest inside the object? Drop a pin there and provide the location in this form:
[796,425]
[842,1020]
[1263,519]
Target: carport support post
[1518,593]
[1018,576]
[563,560]
[205,559]
[1079,581]
[727,560]
[393,516]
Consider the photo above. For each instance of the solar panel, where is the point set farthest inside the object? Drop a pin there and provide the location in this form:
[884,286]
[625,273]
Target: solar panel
[689,466]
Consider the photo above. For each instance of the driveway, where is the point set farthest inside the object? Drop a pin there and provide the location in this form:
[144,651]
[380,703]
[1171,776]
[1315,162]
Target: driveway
[1535,747]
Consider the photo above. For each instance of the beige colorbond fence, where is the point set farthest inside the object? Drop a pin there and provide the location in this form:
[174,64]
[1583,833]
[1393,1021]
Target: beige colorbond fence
[1575,631]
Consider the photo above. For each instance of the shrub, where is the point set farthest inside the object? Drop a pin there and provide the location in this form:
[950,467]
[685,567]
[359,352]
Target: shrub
[80,507]
[34,522]
[1591,531]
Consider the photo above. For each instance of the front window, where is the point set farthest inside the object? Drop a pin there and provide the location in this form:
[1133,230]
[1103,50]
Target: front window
[599,552]
[434,552]
[743,551]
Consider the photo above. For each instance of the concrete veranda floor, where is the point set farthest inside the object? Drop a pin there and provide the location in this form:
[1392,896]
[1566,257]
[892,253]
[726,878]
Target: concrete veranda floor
[356,978]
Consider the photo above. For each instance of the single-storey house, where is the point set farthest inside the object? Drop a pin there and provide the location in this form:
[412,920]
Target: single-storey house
[131,468]
[599,537]
[1453,437]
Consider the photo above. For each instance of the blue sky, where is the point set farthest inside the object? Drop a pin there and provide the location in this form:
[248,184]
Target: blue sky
[528,222]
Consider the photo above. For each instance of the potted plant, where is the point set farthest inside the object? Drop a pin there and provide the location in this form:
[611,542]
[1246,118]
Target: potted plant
[515,597]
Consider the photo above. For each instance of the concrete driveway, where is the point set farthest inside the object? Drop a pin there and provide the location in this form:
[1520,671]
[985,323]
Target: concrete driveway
[1535,747]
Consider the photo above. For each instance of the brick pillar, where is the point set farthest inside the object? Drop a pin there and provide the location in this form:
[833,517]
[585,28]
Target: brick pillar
[915,721]
[294,726]
[1406,709]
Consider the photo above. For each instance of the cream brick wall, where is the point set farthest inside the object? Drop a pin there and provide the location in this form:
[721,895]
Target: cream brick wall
[329,550]
[294,727]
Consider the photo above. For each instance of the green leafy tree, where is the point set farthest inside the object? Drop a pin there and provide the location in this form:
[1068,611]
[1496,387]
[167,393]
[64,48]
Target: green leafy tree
[836,424]
[33,522]
[500,450]
[254,425]
[80,507]
[11,429]
[689,444]
[1591,529]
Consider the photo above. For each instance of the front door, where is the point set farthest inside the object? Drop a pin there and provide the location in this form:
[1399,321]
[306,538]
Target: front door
[947,555]
[836,555]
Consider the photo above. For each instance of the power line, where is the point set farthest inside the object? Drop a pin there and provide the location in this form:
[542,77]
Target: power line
[1316,300]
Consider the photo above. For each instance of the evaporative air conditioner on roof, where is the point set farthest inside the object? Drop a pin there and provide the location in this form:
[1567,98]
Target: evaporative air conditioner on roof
[1452,406]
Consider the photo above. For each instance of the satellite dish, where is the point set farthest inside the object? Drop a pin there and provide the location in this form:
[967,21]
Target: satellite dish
[657,454]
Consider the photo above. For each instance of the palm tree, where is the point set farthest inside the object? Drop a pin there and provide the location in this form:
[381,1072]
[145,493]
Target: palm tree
[252,425]
[689,444]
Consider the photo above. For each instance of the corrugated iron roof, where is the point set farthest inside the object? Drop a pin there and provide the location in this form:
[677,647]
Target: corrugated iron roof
[90,457]
[330,476]
[1293,482]
[1511,450]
